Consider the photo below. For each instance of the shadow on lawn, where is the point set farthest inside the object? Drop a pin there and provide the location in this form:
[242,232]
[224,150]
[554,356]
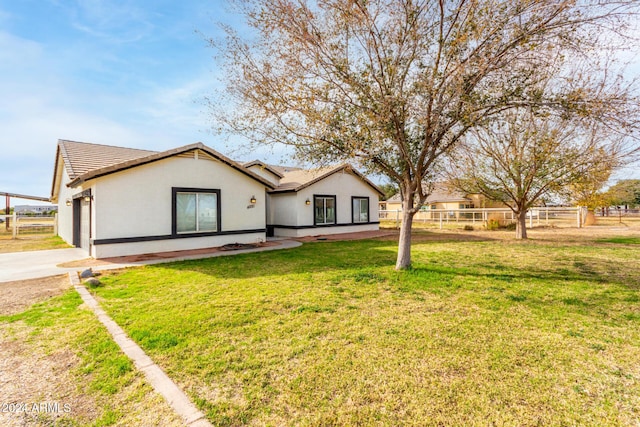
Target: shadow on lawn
[347,258]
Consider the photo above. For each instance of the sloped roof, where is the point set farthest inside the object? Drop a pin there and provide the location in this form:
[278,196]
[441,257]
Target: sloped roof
[265,166]
[100,160]
[297,179]
[82,157]
[440,194]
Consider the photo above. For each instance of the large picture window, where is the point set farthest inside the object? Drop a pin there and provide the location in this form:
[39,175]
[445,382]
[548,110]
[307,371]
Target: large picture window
[360,209]
[325,210]
[196,210]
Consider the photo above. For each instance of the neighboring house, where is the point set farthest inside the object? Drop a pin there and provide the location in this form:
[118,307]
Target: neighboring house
[115,201]
[34,209]
[443,198]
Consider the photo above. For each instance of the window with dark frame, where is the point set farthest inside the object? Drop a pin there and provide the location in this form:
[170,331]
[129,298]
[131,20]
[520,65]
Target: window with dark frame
[196,210]
[324,210]
[360,209]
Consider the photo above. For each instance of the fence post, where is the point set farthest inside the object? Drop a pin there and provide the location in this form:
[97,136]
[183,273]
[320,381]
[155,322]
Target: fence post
[55,224]
[15,225]
[440,213]
[530,212]
[579,216]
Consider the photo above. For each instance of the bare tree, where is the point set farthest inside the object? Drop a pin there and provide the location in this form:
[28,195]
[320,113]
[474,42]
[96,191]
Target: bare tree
[527,154]
[394,84]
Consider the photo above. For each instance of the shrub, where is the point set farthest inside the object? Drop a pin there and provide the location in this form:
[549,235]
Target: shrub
[493,224]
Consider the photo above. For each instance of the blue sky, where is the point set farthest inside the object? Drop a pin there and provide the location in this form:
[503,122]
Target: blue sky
[120,72]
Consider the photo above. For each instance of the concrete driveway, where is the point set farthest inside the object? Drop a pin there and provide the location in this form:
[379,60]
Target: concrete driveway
[34,264]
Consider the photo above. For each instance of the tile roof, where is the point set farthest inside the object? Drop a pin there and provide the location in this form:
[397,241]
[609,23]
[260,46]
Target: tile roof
[296,179]
[85,161]
[82,157]
[439,194]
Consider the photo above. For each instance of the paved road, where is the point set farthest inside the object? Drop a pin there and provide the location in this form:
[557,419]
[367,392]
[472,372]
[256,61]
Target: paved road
[34,264]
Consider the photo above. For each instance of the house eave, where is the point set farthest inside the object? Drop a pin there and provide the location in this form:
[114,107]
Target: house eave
[129,164]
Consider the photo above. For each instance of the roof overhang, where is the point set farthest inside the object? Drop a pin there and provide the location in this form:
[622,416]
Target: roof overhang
[340,168]
[119,167]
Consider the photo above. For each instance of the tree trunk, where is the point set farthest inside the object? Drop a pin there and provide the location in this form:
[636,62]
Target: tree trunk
[521,224]
[404,242]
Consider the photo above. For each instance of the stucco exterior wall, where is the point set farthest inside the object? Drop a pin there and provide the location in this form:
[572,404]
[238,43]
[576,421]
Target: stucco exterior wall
[137,203]
[343,185]
[65,213]
[291,211]
[282,209]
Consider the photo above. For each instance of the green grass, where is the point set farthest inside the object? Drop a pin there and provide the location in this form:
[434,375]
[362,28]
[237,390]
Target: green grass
[103,374]
[476,333]
[622,240]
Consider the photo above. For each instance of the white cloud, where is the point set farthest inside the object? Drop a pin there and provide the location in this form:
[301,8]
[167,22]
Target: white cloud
[112,21]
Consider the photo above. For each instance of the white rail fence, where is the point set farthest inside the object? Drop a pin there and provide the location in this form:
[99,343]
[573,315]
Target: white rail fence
[17,225]
[567,217]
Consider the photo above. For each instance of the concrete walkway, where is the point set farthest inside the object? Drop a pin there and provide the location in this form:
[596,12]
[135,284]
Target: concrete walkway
[36,264]
[160,382]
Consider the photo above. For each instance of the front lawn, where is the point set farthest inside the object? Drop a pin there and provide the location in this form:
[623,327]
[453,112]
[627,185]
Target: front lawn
[479,332]
[56,353]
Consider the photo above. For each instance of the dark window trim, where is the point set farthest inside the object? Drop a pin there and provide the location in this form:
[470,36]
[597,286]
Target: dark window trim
[174,212]
[335,208]
[368,209]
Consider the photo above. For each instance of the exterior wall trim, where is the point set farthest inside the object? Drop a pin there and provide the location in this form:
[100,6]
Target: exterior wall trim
[304,227]
[174,236]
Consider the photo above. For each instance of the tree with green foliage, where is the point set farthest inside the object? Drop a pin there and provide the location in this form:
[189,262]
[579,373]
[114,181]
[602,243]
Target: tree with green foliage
[389,190]
[625,192]
[395,84]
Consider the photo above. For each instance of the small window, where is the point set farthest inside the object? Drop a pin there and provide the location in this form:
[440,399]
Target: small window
[196,211]
[360,209]
[325,210]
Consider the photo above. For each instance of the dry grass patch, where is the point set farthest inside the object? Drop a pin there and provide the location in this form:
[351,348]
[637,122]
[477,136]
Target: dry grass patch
[57,356]
[30,243]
